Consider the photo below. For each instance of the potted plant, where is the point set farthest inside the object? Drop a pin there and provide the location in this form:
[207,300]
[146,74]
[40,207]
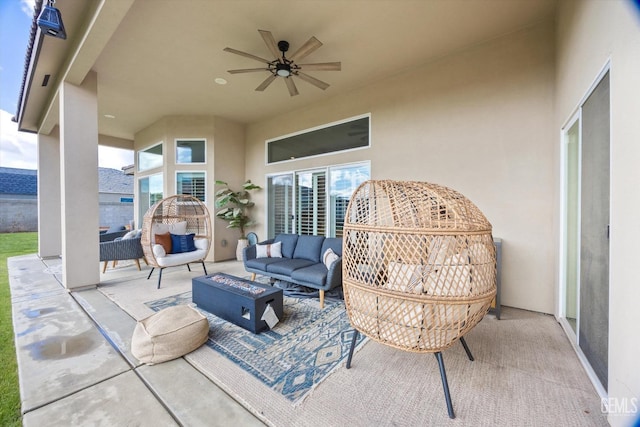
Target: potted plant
[234,206]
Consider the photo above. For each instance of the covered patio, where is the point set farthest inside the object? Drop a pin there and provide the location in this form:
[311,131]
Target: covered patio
[497,99]
[76,367]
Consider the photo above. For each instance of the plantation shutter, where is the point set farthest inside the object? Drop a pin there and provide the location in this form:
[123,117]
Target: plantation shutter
[280,189]
[192,183]
[311,202]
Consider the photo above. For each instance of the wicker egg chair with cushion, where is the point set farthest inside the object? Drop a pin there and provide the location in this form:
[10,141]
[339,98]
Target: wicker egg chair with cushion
[182,227]
[419,267]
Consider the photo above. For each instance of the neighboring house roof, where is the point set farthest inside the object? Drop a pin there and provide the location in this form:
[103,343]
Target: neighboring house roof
[114,181]
[25,181]
[18,181]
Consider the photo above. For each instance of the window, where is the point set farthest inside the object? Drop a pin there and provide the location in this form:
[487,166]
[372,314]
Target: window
[312,202]
[191,151]
[150,158]
[343,182]
[150,191]
[192,183]
[334,137]
[280,206]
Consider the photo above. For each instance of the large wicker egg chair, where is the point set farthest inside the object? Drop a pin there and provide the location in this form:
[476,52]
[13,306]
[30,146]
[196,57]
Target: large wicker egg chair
[182,219]
[419,267]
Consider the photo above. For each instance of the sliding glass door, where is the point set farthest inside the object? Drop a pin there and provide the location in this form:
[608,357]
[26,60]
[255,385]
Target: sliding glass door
[312,202]
[585,280]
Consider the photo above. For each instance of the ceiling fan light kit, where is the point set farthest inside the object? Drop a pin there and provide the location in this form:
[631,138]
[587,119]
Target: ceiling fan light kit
[285,67]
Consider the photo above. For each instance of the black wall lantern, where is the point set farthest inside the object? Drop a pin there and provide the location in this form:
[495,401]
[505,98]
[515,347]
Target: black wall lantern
[50,21]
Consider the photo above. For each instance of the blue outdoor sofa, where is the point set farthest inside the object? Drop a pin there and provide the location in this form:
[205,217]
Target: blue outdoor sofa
[304,260]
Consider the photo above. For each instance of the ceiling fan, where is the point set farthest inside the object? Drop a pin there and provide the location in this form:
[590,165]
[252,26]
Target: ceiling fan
[287,67]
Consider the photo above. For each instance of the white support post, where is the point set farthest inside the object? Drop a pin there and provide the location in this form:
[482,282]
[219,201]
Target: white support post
[49,204]
[79,183]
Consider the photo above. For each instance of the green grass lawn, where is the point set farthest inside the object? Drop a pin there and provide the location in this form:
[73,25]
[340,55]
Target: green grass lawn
[11,244]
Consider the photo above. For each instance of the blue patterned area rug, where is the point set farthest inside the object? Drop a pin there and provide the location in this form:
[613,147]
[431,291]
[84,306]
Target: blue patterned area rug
[295,356]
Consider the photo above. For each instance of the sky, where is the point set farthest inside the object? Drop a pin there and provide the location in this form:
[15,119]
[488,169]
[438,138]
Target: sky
[19,149]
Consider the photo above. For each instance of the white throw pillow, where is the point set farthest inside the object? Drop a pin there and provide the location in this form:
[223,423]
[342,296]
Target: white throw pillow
[452,279]
[159,252]
[130,235]
[329,257]
[161,228]
[273,250]
[405,277]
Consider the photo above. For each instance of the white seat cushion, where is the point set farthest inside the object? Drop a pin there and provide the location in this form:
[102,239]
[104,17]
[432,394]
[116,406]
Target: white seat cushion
[171,260]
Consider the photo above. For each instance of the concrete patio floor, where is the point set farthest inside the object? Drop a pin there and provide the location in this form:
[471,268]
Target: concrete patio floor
[75,366]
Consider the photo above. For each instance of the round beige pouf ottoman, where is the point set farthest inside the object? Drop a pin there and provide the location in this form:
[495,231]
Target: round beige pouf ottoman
[169,334]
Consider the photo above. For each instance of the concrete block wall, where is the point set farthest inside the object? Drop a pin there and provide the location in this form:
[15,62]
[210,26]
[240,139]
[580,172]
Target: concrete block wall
[17,215]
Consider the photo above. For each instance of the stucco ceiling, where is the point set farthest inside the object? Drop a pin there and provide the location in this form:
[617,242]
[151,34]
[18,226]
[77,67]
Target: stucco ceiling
[165,55]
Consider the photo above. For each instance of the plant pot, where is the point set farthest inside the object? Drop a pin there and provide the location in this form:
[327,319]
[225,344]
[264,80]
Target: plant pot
[242,243]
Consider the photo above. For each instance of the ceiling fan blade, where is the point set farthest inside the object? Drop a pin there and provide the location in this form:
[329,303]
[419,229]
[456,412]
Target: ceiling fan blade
[318,83]
[311,45]
[293,90]
[246,70]
[271,43]
[322,66]
[248,55]
[266,83]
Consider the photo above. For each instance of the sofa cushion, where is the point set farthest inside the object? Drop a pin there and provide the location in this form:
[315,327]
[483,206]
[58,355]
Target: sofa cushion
[335,243]
[269,250]
[261,263]
[182,243]
[288,244]
[315,274]
[158,251]
[308,247]
[171,260]
[169,334]
[288,266]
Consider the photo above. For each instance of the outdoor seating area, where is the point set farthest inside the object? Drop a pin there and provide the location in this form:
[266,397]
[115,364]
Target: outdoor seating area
[310,261]
[524,348]
[176,231]
[121,247]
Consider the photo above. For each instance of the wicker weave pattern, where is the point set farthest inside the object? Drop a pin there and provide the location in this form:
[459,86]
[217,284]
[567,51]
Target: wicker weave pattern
[173,210]
[121,249]
[419,265]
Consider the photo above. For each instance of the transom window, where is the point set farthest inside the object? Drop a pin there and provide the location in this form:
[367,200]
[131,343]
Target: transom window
[338,136]
[191,151]
[150,158]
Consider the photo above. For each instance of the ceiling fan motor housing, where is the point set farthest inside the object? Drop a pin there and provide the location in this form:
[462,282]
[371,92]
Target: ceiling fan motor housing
[283,46]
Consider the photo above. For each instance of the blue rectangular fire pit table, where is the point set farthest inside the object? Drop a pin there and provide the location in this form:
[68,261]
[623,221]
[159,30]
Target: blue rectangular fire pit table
[236,300]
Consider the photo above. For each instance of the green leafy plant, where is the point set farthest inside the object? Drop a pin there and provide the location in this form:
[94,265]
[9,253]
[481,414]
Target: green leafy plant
[234,205]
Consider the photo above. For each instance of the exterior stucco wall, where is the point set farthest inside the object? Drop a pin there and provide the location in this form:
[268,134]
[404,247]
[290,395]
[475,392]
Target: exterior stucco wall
[590,33]
[479,121]
[224,160]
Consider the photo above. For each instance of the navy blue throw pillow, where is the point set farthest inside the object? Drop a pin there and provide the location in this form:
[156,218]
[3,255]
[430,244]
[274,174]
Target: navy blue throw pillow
[182,243]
